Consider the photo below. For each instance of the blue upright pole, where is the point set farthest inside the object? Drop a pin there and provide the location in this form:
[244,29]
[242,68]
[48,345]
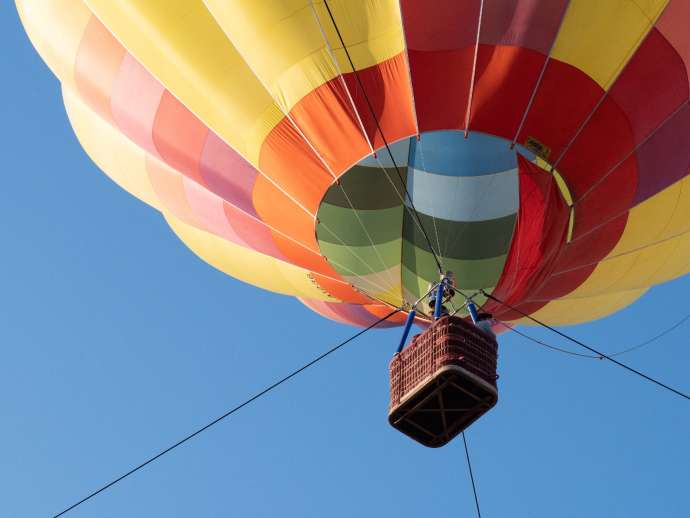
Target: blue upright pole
[473,311]
[439,301]
[406,330]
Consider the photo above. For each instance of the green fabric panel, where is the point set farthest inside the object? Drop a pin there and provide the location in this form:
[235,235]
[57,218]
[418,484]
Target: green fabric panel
[368,188]
[362,260]
[383,225]
[462,240]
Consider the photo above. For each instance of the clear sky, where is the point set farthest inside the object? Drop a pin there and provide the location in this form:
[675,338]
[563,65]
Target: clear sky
[116,341]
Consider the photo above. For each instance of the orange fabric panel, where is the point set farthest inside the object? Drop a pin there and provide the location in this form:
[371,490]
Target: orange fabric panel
[281,213]
[287,159]
[327,119]
[304,258]
[97,66]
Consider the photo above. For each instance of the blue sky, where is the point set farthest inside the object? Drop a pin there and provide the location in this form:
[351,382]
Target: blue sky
[116,341]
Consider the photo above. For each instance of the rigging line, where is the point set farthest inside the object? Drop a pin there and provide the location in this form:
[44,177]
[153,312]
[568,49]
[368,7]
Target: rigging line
[470,95]
[590,349]
[228,413]
[593,357]
[356,113]
[383,137]
[363,129]
[433,218]
[549,346]
[386,268]
[654,338]
[347,197]
[286,113]
[469,467]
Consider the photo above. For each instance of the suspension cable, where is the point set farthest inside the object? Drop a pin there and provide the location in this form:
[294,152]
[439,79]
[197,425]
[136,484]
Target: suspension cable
[383,137]
[469,467]
[228,413]
[590,349]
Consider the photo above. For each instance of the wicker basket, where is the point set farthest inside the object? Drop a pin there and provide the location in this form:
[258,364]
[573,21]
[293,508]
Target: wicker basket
[443,382]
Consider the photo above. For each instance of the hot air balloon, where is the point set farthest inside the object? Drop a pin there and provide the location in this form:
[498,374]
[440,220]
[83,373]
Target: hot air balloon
[344,152]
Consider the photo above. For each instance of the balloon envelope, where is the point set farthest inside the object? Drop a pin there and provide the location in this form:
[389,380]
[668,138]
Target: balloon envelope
[328,150]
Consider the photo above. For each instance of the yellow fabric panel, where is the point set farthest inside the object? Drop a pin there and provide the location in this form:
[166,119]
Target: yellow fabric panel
[600,36]
[664,215]
[181,44]
[284,45]
[654,247]
[55,28]
[247,265]
[372,30]
[576,311]
[115,154]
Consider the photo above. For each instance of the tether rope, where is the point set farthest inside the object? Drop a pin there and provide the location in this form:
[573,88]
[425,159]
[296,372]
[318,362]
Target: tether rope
[226,414]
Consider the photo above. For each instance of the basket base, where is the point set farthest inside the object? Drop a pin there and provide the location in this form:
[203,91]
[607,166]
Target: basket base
[443,406]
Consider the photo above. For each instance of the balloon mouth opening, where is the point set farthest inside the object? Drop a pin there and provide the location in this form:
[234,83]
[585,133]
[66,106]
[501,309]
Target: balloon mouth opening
[462,192]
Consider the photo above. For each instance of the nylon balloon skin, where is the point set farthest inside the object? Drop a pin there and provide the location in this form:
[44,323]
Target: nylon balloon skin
[545,143]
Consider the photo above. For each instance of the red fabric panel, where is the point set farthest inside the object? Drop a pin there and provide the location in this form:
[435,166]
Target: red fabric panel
[603,142]
[578,259]
[540,232]
[440,40]
[652,85]
[610,199]
[441,82]
[565,97]
[530,24]
[505,79]
[440,25]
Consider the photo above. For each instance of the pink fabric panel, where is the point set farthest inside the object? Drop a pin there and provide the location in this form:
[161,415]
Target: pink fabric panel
[228,174]
[253,232]
[135,99]
[673,25]
[208,208]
